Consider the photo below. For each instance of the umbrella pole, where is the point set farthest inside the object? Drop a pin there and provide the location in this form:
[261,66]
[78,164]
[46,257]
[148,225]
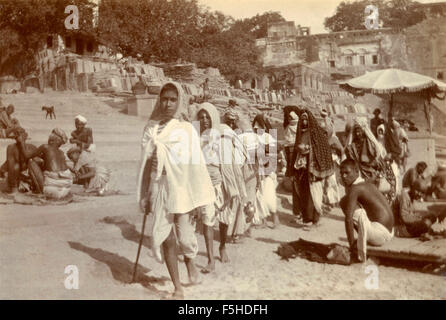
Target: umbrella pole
[391,105]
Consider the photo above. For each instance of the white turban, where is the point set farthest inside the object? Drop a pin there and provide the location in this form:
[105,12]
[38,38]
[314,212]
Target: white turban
[81,119]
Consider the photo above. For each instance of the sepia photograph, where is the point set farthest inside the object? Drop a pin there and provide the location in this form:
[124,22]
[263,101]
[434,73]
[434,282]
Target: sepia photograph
[255,150]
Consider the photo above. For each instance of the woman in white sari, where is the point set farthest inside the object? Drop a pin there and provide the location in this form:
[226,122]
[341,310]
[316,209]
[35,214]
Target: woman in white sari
[173,181]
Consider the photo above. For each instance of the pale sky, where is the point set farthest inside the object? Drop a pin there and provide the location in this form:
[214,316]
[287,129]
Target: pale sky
[308,13]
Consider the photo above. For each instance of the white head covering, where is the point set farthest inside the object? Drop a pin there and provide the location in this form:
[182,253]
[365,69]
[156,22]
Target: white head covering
[362,122]
[382,127]
[81,119]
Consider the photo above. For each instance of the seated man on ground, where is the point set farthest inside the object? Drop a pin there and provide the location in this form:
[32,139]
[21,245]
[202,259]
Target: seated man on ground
[413,174]
[15,163]
[439,183]
[82,136]
[56,179]
[7,123]
[87,173]
[365,209]
[415,217]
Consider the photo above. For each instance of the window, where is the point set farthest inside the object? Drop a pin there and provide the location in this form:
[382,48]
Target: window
[375,59]
[90,46]
[362,60]
[332,64]
[49,41]
[440,75]
[68,42]
[349,60]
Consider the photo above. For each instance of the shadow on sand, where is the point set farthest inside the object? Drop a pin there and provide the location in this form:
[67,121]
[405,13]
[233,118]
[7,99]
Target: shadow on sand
[266,240]
[121,268]
[128,230]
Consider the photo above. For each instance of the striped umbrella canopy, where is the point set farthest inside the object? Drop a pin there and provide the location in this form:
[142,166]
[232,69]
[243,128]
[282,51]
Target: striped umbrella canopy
[389,81]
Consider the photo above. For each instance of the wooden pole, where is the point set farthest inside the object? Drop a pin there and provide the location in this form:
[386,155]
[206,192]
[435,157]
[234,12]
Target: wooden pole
[141,239]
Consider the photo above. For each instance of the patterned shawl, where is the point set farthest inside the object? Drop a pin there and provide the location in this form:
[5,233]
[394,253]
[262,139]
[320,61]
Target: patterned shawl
[320,158]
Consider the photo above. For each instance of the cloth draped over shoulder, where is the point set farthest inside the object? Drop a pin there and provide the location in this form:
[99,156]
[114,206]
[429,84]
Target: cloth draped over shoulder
[211,142]
[373,146]
[320,159]
[233,157]
[178,155]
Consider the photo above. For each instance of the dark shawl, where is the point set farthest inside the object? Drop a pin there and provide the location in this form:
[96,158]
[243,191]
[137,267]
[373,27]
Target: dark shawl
[263,122]
[320,159]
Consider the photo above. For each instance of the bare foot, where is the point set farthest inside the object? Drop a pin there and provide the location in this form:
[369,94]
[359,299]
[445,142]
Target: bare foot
[209,268]
[276,221]
[223,255]
[178,294]
[194,277]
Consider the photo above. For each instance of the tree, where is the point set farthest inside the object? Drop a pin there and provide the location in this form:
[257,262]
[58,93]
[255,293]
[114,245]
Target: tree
[350,15]
[25,24]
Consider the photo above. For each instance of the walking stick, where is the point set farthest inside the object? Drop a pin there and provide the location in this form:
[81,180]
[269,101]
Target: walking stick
[146,212]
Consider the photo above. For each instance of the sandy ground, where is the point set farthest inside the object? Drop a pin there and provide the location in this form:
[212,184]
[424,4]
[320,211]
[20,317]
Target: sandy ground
[100,235]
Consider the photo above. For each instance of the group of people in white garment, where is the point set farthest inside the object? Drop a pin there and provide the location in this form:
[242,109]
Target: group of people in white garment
[219,169]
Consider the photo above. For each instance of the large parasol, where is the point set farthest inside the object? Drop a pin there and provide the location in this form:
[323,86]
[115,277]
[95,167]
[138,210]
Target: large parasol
[388,82]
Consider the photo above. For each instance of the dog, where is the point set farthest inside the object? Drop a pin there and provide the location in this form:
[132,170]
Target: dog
[49,111]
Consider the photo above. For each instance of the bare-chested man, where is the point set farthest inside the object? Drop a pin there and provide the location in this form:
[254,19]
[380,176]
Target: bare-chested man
[15,164]
[56,179]
[7,122]
[82,136]
[366,210]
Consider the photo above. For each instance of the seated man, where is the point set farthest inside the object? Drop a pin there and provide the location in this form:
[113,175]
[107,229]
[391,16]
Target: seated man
[87,173]
[15,163]
[56,180]
[82,136]
[366,209]
[439,183]
[7,123]
[414,174]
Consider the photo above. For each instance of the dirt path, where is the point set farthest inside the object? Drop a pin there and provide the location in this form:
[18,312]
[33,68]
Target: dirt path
[100,235]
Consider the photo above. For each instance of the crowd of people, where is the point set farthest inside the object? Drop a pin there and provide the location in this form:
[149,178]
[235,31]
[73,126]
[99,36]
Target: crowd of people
[46,169]
[200,166]
[227,177]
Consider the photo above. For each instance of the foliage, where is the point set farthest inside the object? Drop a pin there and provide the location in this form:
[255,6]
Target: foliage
[397,14]
[23,25]
[161,30]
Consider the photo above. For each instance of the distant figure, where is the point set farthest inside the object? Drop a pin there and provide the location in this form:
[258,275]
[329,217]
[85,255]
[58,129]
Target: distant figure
[439,183]
[376,121]
[206,94]
[414,174]
[381,135]
[393,141]
[7,122]
[49,112]
[232,103]
[82,136]
[56,179]
[365,210]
